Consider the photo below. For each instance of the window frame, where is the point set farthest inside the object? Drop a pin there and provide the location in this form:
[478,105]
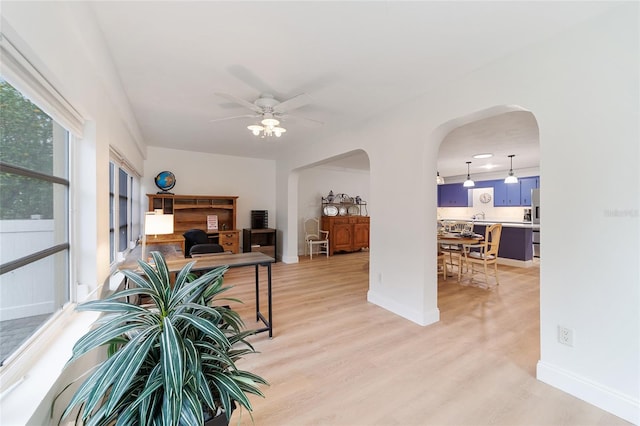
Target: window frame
[118,167]
[66,246]
[26,79]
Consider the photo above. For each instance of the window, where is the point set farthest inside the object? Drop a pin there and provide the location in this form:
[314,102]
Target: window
[124,213]
[34,218]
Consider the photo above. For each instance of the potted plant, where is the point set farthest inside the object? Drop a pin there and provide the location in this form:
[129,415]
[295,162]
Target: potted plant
[169,362]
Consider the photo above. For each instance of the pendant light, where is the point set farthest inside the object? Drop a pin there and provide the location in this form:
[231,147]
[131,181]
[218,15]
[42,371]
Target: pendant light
[511,178]
[439,179]
[468,183]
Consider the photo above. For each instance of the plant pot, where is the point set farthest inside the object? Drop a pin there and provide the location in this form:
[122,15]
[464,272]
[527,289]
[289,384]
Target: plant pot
[219,420]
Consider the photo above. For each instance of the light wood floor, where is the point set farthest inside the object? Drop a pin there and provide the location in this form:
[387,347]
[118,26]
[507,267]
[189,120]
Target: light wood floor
[336,359]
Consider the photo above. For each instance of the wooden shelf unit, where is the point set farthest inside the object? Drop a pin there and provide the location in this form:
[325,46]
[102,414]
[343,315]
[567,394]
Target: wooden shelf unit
[262,240]
[191,212]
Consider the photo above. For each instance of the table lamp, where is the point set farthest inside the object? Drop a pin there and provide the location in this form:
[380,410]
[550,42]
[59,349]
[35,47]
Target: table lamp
[156,223]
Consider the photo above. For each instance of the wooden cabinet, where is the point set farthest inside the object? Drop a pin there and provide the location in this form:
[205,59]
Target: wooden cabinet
[229,240]
[346,233]
[262,240]
[193,212]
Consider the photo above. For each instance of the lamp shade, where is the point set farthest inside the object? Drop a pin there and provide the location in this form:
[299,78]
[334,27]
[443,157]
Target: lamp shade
[469,182]
[158,224]
[511,178]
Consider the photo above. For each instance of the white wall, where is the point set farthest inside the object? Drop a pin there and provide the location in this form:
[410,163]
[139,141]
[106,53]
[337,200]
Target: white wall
[63,43]
[316,182]
[582,87]
[197,173]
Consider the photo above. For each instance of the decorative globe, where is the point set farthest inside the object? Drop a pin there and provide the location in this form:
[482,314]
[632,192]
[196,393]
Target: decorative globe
[165,180]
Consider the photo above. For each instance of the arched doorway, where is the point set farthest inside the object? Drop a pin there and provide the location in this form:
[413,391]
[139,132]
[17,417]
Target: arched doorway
[346,173]
[500,131]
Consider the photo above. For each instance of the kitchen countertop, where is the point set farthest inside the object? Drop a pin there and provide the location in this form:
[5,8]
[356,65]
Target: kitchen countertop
[511,224]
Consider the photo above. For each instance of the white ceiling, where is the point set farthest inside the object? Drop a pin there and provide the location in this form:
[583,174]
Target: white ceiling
[355,59]
[501,135]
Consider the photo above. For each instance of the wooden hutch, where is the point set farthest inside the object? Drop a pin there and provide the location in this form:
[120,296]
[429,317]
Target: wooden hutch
[197,212]
[347,221]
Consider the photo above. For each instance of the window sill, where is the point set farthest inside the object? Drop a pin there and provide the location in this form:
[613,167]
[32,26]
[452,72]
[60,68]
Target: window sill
[31,382]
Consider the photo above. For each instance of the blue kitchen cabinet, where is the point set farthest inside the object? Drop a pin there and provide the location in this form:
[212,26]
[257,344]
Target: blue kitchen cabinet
[484,184]
[515,242]
[514,194]
[506,194]
[526,185]
[453,195]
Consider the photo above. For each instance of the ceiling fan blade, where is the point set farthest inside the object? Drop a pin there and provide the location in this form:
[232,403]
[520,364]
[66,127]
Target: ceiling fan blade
[234,117]
[299,117]
[296,102]
[241,102]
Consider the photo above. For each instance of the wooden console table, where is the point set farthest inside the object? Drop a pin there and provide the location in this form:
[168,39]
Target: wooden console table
[176,261]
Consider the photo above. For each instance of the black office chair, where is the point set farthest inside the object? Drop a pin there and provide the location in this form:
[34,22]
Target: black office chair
[196,243]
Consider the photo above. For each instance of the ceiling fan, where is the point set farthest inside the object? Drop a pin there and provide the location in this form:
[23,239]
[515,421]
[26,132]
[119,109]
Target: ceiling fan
[270,111]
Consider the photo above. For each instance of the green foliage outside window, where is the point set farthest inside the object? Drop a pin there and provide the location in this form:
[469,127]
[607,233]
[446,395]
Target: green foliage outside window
[26,140]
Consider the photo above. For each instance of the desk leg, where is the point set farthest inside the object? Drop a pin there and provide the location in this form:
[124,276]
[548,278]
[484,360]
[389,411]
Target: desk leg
[259,315]
[257,293]
[269,298]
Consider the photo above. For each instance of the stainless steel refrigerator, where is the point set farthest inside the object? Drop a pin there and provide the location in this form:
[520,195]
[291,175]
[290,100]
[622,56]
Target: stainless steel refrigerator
[535,218]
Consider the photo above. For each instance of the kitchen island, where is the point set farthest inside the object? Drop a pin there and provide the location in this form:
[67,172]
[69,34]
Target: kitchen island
[516,241]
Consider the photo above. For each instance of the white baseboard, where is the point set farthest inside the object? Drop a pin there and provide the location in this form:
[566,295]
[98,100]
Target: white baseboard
[289,259]
[596,394]
[420,318]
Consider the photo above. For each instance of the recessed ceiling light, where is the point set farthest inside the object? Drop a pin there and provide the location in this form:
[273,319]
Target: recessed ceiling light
[488,166]
[487,155]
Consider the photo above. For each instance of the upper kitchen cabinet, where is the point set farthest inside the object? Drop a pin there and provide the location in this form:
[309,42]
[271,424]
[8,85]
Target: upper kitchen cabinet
[526,185]
[506,194]
[453,195]
[514,194]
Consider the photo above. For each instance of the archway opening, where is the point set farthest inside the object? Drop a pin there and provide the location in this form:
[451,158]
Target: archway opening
[501,132]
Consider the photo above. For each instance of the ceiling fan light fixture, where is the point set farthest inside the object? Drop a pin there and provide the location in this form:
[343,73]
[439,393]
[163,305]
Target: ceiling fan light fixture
[255,129]
[270,122]
[279,131]
[511,178]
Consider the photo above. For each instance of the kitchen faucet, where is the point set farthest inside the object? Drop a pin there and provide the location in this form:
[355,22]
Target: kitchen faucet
[478,215]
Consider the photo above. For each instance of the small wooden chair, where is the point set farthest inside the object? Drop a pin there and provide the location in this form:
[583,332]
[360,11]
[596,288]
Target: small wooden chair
[314,236]
[484,253]
[455,251]
[442,262]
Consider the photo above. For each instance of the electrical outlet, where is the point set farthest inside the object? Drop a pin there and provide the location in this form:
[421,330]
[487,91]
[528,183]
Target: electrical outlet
[565,336]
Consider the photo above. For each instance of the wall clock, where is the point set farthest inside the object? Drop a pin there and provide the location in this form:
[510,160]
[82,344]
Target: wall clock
[485,197]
